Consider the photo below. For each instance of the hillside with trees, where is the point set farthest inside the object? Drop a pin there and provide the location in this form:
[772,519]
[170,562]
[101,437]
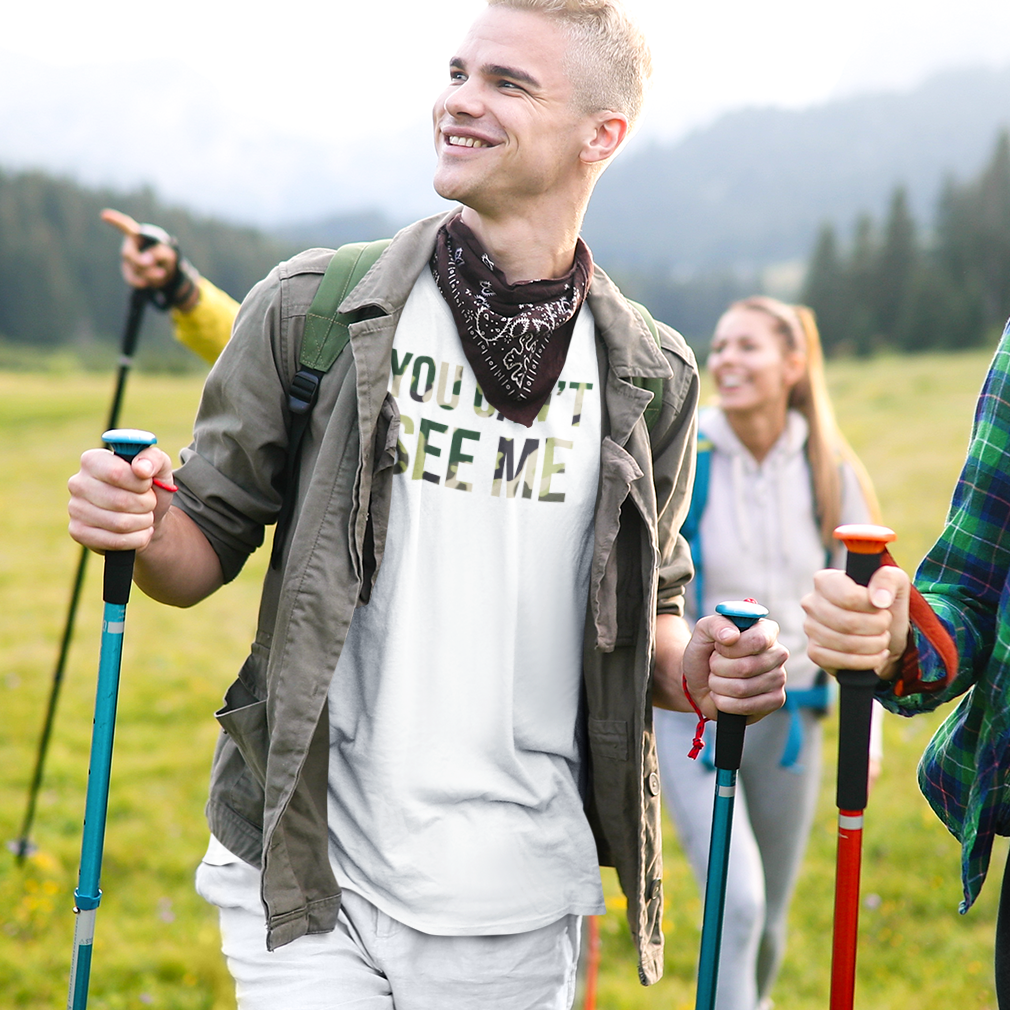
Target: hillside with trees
[59,264]
[751,188]
[900,286]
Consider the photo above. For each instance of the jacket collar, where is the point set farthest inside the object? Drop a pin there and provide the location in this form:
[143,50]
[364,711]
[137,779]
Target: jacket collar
[389,282]
[631,350]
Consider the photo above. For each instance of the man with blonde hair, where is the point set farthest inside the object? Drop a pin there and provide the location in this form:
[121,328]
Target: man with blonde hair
[444,725]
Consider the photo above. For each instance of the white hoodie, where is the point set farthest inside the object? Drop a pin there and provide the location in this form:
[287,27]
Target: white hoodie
[759,536]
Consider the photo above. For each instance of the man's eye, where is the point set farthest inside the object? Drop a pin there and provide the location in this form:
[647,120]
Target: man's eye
[456,76]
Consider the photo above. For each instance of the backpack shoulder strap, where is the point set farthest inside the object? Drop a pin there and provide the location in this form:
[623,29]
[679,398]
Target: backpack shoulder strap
[652,385]
[691,530]
[326,332]
[326,335]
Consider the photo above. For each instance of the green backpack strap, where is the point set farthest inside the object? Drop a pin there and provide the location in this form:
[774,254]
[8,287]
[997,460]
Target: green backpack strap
[326,335]
[653,385]
[326,332]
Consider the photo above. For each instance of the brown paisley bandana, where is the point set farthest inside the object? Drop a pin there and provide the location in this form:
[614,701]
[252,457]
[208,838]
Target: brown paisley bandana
[515,336]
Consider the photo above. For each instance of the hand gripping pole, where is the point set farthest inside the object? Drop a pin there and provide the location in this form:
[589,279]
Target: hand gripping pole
[729,734]
[866,545]
[126,443]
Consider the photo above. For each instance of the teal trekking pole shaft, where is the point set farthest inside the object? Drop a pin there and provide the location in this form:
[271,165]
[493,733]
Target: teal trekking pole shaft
[729,734]
[125,443]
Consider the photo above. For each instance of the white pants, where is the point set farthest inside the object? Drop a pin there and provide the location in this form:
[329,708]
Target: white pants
[772,817]
[372,962]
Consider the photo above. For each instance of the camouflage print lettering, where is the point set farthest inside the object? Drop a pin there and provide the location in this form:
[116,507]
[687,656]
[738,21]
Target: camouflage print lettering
[526,468]
[545,409]
[419,363]
[456,457]
[398,370]
[580,390]
[478,405]
[551,468]
[425,449]
[402,456]
[457,385]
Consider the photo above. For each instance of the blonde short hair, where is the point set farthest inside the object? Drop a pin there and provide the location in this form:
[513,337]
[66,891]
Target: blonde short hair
[610,63]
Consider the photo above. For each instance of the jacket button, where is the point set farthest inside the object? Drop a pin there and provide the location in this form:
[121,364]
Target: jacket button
[654,784]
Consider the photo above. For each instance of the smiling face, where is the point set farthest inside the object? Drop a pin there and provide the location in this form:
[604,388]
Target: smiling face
[751,364]
[508,133]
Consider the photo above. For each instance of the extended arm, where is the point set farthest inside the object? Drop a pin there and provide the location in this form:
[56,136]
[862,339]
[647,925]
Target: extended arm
[725,670]
[203,318]
[962,578]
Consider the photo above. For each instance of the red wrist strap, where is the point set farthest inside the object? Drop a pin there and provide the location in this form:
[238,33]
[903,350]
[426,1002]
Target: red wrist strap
[921,615]
[698,744]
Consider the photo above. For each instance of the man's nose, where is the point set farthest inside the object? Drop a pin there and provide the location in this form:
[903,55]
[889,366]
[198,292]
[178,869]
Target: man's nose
[465,100]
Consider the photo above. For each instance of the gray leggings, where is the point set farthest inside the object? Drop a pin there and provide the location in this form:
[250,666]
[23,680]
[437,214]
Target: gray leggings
[771,821]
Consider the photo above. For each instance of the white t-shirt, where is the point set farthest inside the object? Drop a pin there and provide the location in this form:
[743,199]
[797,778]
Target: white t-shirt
[453,791]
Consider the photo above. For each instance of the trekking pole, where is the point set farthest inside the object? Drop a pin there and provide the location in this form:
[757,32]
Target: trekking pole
[729,733]
[125,443]
[855,707]
[22,845]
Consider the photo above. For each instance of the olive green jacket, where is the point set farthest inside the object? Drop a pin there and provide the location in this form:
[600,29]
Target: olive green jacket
[268,788]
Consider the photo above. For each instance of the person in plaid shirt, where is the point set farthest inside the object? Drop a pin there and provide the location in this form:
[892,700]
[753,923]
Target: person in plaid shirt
[945,636]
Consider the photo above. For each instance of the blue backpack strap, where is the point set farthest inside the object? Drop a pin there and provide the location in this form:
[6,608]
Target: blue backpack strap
[691,530]
[816,697]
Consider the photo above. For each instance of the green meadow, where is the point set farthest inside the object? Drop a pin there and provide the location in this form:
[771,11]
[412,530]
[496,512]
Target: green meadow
[156,942]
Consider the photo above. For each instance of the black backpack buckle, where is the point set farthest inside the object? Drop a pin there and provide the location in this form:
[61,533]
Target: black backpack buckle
[303,392]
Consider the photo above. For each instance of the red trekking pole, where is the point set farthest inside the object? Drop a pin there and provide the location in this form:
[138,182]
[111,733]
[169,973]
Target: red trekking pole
[866,546]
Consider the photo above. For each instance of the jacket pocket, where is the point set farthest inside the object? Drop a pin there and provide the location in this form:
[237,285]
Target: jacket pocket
[244,718]
[618,471]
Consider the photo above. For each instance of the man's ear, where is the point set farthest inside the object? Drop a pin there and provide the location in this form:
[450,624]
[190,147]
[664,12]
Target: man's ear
[609,130]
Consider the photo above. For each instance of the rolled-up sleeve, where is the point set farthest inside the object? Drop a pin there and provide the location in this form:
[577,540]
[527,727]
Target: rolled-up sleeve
[229,481]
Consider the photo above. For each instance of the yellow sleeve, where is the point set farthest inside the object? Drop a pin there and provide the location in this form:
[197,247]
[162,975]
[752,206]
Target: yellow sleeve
[206,329]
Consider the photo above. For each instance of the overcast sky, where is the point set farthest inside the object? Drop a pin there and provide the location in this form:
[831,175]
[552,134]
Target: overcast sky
[359,74]
[392,53]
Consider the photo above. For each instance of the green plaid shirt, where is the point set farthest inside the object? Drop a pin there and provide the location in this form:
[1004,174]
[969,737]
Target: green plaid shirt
[966,579]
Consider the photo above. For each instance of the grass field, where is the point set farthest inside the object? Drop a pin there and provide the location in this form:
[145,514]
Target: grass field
[156,942]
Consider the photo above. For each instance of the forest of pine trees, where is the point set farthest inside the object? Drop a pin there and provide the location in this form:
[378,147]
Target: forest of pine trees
[59,264]
[898,287]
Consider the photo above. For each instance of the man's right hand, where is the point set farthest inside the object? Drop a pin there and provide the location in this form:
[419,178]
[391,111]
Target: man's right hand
[114,505]
[852,627]
[152,267]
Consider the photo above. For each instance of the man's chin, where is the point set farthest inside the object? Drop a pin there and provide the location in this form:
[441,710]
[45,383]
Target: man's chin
[455,190]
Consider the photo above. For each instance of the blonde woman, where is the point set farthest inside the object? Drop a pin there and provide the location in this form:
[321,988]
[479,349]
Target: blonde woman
[775,478]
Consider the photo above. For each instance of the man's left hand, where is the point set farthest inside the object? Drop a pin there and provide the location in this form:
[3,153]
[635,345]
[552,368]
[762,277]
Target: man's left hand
[727,670]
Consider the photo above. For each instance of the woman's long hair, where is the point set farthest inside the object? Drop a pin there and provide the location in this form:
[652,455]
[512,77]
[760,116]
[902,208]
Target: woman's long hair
[827,447]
